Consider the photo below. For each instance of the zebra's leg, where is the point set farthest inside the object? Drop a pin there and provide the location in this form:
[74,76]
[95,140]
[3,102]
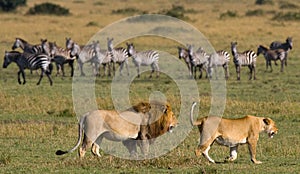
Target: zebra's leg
[127,67]
[19,79]
[200,72]
[57,68]
[226,71]
[62,70]
[251,71]
[49,78]
[282,64]
[41,76]
[238,71]
[80,65]
[156,67]
[270,64]
[138,70]
[121,68]
[153,69]
[71,64]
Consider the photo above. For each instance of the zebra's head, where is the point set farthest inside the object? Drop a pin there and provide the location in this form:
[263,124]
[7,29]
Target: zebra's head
[45,46]
[233,47]
[181,52]
[17,44]
[130,49]
[261,49]
[75,50]
[52,48]
[69,43]
[110,45]
[290,42]
[7,59]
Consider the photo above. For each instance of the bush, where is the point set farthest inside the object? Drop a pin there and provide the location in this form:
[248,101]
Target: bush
[286,5]
[258,12]
[129,11]
[289,16]
[10,5]
[263,2]
[48,8]
[177,11]
[228,14]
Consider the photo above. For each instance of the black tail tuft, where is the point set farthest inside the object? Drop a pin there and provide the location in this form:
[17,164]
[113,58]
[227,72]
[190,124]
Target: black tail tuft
[60,152]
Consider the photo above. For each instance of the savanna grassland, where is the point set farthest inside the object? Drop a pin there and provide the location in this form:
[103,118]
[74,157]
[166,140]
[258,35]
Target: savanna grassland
[35,121]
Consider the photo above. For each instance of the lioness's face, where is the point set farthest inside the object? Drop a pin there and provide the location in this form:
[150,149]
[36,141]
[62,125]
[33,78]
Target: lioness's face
[270,127]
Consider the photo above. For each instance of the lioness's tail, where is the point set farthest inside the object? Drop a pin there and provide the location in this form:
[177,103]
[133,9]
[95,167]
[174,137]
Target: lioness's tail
[80,130]
[197,122]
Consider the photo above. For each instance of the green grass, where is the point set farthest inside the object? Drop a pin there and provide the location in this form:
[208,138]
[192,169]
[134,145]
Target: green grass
[35,121]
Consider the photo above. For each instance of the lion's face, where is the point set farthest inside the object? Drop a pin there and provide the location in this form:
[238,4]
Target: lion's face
[270,127]
[171,119]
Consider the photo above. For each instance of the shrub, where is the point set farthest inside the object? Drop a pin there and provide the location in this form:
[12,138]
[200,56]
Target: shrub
[48,8]
[258,12]
[177,11]
[263,2]
[286,5]
[228,14]
[289,16]
[10,5]
[129,11]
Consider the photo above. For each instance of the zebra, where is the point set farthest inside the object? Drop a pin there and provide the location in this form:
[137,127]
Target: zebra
[183,53]
[29,48]
[198,59]
[31,61]
[61,56]
[278,54]
[87,53]
[287,46]
[219,58]
[246,58]
[106,58]
[119,56]
[144,58]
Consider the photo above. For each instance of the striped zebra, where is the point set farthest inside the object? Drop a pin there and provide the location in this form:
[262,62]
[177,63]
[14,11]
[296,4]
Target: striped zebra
[199,59]
[119,56]
[183,53]
[61,56]
[287,46]
[144,58]
[29,48]
[246,58]
[272,55]
[29,61]
[217,59]
[106,62]
[86,53]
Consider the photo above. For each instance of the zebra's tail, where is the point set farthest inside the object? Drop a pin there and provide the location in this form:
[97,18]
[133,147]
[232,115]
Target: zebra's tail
[80,130]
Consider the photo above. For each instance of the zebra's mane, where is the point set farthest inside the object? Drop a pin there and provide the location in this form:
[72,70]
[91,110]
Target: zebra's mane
[22,40]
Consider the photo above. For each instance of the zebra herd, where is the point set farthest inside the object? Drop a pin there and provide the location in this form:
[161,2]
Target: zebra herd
[208,63]
[42,55]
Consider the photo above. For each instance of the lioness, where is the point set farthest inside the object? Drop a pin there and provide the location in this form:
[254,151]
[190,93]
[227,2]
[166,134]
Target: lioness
[115,126]
[231,133]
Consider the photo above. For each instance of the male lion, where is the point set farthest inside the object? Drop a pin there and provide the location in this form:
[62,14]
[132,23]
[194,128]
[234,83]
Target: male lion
[231,133]
[115,126]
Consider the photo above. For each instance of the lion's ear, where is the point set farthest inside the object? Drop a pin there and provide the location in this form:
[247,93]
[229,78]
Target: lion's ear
[267,121]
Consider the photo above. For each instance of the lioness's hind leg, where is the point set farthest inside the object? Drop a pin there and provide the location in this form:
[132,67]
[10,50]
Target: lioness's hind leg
[86,143]
[95,149]
[233,154]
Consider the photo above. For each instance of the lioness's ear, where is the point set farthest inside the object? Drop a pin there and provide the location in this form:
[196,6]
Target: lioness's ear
[266,121]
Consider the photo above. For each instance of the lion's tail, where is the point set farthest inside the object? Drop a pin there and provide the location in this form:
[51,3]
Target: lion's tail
[198,122]
[80,130]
